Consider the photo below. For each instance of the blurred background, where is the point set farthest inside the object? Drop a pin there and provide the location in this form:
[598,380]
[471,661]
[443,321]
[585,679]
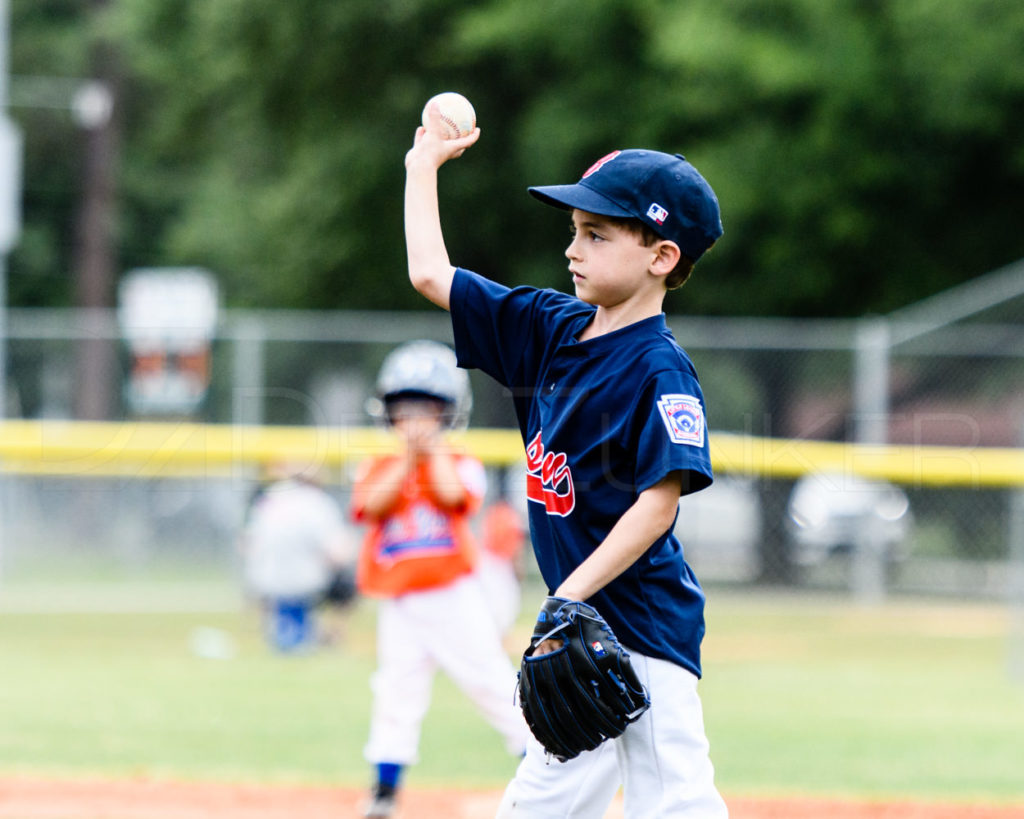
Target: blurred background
[201,221]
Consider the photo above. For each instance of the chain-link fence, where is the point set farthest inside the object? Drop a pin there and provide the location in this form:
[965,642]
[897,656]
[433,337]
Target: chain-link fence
[893,380]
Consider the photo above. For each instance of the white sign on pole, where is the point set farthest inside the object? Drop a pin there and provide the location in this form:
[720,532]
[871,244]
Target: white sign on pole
[10,184]
[168,317]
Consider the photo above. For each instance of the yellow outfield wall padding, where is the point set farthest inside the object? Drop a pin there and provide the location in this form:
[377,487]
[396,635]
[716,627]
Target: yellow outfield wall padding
[141,449]
[904,464]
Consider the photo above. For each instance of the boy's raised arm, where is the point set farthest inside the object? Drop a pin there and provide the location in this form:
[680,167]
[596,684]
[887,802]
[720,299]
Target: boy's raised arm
[430,270]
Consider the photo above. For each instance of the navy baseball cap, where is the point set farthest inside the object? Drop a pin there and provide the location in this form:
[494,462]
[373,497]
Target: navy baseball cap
[663,191]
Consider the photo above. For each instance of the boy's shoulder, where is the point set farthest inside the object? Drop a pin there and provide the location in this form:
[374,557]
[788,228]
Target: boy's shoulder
[367,468]
[657,350]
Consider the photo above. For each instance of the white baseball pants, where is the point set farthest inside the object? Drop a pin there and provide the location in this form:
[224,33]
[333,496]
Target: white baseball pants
[661,761]
[447,628]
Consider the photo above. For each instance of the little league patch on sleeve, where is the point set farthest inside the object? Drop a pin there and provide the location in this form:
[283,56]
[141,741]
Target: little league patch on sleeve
[684,418]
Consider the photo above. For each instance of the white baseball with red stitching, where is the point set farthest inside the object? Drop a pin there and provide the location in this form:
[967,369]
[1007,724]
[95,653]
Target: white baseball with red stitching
[458,118]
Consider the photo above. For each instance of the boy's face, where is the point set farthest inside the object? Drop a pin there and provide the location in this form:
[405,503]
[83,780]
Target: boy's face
[608,262]
[416,418]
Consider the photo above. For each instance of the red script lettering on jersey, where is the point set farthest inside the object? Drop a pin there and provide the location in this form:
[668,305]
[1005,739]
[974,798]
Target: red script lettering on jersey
[549,479]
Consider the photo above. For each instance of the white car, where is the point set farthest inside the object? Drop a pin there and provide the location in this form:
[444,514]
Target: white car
[832,513]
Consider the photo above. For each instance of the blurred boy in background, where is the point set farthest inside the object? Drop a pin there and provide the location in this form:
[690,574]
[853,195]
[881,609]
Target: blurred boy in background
[295,550]
[503,537]
[419,558]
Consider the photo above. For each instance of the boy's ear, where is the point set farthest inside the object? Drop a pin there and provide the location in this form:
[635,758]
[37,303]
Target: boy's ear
[667,255]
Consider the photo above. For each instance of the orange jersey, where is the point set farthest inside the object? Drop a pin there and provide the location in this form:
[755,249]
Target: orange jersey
[504,534]
[418,545]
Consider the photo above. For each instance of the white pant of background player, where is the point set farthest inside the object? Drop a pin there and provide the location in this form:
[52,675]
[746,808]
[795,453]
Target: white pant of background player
[420,632]
[661,761]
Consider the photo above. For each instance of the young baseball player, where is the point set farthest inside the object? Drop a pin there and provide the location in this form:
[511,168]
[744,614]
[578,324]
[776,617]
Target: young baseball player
[613,420]
[419,558]
[502,542]
[293,543]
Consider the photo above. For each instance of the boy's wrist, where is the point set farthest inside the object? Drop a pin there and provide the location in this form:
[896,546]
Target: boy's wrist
[567,593]
[419,163]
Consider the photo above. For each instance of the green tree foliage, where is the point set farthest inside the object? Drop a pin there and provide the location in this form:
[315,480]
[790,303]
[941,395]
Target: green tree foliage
[866,152]
[48,41]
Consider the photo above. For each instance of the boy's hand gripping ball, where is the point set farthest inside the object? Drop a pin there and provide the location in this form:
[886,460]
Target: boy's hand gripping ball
[457,119]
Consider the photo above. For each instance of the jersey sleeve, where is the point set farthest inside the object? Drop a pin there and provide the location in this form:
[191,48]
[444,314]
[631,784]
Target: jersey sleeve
[503,331]
[673,434]
[365,475]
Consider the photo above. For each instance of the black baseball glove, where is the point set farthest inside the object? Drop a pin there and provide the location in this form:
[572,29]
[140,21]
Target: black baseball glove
[585,692]
[341,590]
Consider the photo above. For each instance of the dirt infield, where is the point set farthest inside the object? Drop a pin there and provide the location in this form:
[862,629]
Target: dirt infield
[24,798]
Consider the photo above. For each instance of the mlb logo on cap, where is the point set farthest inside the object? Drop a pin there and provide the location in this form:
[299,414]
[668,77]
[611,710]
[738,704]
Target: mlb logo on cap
[657,213]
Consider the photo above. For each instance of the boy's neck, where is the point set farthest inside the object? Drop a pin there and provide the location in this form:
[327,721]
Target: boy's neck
[609,319]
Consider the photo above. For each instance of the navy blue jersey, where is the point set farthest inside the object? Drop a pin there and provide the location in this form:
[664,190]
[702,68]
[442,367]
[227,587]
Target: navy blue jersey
[601,420]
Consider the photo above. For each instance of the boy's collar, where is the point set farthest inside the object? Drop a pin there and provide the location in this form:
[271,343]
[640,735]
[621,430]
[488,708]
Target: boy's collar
[644,326]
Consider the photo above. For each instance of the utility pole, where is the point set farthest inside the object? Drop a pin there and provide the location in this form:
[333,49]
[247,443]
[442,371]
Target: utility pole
[95,258]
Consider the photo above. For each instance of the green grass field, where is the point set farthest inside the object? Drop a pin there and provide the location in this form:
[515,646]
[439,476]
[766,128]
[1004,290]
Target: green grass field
[817,697]
[803,696]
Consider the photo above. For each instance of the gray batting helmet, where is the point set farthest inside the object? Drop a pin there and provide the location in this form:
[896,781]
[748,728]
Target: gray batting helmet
[426,369]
